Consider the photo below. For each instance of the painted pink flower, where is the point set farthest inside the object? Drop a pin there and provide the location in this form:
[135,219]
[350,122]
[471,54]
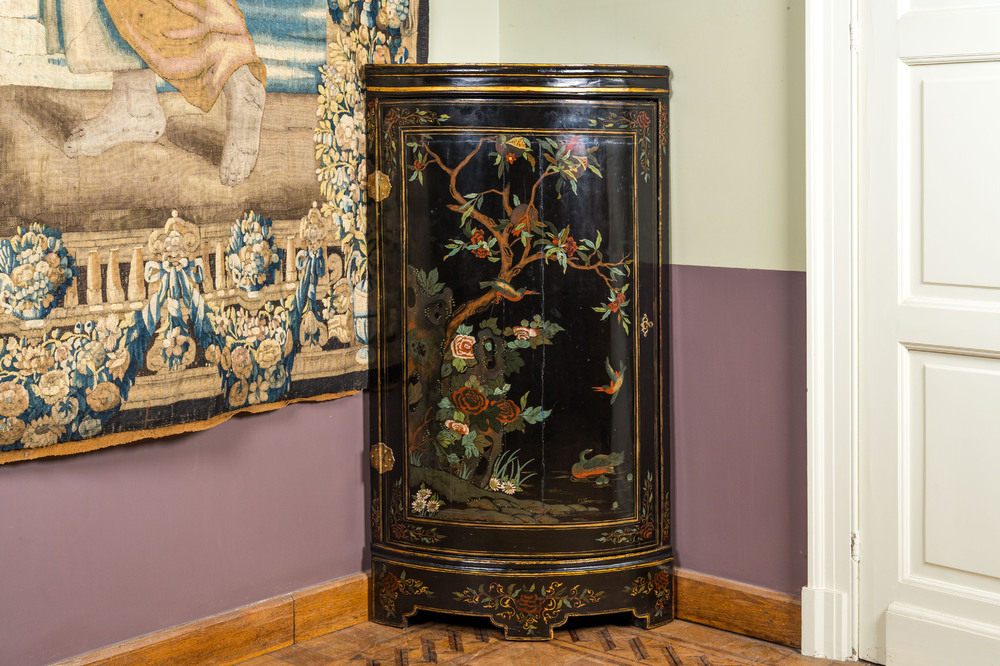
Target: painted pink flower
[457,426]
[463,346]
[524,332]
[242,362]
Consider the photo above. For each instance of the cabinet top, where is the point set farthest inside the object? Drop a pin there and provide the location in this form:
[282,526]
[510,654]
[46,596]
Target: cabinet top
[517,79]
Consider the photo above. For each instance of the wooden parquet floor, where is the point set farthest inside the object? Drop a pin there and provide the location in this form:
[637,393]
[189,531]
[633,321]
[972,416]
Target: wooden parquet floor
[450,640]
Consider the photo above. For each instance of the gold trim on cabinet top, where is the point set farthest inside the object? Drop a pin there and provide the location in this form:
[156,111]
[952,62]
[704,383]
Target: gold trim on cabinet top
[514,89]
[382,458]
[379,186]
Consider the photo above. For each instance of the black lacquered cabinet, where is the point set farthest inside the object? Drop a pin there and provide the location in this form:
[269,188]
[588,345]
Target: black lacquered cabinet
[517,225]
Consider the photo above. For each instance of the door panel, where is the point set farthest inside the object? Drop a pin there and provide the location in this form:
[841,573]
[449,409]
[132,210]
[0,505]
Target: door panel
[962,439]
[929,344]
[960,176]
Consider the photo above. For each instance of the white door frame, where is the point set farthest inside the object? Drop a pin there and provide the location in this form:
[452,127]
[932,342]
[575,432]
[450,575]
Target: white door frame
[830,599]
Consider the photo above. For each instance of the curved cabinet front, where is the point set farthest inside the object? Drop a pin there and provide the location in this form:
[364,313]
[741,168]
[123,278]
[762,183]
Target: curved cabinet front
[517,229]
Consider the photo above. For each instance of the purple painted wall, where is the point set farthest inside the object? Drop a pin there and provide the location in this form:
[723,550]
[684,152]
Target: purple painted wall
[739,382]
[105,546]
[109,545]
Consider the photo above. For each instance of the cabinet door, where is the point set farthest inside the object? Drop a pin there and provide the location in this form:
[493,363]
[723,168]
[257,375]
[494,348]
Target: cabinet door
[517,355]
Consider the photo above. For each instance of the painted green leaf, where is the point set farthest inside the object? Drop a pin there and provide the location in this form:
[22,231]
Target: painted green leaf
[469,444]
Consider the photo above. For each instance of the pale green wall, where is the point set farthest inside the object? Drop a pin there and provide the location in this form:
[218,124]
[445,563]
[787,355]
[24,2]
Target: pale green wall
[737,107]
[464,31]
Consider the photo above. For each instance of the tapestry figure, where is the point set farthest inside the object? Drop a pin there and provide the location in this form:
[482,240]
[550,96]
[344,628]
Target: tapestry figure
[200,47]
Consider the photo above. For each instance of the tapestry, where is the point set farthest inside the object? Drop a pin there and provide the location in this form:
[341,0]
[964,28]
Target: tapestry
[182,210]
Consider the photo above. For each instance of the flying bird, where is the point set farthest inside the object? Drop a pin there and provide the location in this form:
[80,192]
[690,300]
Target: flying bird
[616,377]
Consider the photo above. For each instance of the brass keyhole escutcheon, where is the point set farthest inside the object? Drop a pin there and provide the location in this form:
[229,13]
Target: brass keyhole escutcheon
[645,325]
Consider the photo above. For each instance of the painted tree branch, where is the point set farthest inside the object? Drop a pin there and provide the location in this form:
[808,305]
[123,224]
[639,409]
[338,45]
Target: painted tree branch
[508,269]
[599,268]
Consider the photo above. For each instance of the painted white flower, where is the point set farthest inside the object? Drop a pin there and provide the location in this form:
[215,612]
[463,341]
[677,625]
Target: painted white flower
[33,359]
[42,432]
[65,411]
[347,133]
[118,362]
[268,354]
[103,397]
[53,386]
[89,427]
[13,399]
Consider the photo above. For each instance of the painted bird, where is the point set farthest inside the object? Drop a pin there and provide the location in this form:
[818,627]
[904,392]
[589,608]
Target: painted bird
[505,290]
[602,463]
[616,377]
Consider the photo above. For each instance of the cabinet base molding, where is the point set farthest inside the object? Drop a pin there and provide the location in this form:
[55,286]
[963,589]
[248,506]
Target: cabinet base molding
[527,605]
[743,609]
[245,632]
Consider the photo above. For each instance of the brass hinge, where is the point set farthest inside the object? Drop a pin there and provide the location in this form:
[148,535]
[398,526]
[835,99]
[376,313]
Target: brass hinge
[382,458]
[379,186]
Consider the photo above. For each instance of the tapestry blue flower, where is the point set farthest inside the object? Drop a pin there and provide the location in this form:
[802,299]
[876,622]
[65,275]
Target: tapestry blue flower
[35,271]
[252,257]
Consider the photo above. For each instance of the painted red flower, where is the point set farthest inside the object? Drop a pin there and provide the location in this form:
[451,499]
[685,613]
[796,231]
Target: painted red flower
[470,400]
[390,583]
[569,245]
[511,158]
[523,217]
[529,603]
[661,580]
[463,346]
[509,411]
[481,252]
[642,120]
[477,237]
[613,306]
[620,298]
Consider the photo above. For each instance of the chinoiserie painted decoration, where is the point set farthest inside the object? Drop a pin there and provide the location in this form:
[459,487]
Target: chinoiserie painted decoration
[182,227]
[518,362]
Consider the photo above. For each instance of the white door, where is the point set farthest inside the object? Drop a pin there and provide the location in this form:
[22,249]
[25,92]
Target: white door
[929,339]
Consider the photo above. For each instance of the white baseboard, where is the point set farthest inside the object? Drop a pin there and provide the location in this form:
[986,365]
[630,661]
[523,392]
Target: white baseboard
[916,637]
[826,629]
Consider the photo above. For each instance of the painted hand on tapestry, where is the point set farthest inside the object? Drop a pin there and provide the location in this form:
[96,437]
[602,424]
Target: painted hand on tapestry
[170,41]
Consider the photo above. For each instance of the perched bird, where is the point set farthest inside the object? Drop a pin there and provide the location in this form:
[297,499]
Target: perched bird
[505,290]
[616,377]
[602,463]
